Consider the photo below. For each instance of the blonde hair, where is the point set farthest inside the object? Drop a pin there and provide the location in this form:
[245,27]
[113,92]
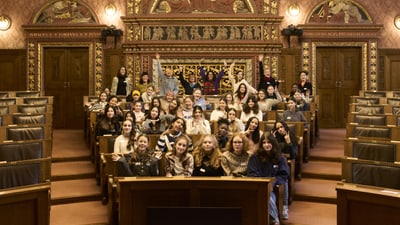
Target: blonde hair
[198,152]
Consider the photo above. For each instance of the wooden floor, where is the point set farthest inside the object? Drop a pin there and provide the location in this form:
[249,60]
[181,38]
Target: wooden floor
[76,198]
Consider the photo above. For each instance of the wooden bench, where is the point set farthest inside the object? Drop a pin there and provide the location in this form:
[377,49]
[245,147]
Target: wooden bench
[368,93]
[28,205]
[362,204]
[25,172]
[377,119]
[26,132]
[385,151]
[41,100]
[374,173]
[371,109]
[372,132]
[141,200]
[367,100]
[24,150]
[8,101]
[38,108]
[27,118]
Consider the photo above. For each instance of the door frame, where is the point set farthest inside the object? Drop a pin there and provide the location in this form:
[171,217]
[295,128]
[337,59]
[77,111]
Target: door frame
[364,60]
[40,73]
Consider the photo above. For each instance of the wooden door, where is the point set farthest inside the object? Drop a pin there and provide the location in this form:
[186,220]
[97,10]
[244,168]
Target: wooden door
[66,77]
[338,77]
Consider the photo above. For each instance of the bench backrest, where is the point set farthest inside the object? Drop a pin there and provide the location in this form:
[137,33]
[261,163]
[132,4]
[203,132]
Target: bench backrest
[385,151]
[373,173]
[25,150]
[27,172]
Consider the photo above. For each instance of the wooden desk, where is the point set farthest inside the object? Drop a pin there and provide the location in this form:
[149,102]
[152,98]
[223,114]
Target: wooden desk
[140,195]
[361,204]
[28,205]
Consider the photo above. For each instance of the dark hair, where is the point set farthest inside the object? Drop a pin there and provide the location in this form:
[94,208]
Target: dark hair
[255,137]
[213,78]
[222,121]
[272,156]
[148,116]
[141,78]
[197,107]
[132,115]
[119,73]
[238,93]
[183,124]
[256,108]
[111,97]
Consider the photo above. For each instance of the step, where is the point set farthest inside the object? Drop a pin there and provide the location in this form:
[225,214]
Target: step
[311,213]
[72,191]
[316,190]
[84,213]
[72,170]
[322,170]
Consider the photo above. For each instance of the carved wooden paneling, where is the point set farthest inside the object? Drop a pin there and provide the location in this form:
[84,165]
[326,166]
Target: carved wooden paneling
[13,70]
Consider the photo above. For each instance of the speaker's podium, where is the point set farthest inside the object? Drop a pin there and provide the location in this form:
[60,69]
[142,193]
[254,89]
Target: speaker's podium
[193,200]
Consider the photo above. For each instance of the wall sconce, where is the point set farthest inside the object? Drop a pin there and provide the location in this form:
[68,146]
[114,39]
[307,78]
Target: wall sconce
[294,9]
[397,22]
[110,9]
[5,22]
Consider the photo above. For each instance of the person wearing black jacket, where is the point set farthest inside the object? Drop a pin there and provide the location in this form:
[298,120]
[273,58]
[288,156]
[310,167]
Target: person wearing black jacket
[190,85]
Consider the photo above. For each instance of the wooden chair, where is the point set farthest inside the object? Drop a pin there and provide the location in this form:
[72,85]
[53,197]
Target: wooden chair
[26,172]
[26,94]
[376,93]
[4,95]
[366,172]
[42,100]
[370,109]
[366,100]
[377,119]
[44,108]
[26,132]
[25,150]
[385,151]
[373,132]
[393,101]
[8,101]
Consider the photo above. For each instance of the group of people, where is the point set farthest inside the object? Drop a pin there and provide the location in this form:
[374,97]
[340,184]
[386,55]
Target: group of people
[237,147]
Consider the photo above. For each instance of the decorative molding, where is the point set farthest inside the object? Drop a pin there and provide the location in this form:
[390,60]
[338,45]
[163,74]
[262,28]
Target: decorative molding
[365,62]
[31,66]
[65,12]
[99,68]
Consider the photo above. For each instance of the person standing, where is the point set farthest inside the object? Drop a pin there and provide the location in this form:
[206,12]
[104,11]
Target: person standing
[190,85]
[121,84]
[169,83]
[211,82]
[265,75]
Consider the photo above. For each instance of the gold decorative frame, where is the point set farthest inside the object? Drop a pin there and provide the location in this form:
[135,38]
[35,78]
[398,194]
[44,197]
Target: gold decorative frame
[364,60]
[244,65]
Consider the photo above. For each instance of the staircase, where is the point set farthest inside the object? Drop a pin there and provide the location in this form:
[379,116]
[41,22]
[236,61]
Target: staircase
[315,197]
[75,197]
